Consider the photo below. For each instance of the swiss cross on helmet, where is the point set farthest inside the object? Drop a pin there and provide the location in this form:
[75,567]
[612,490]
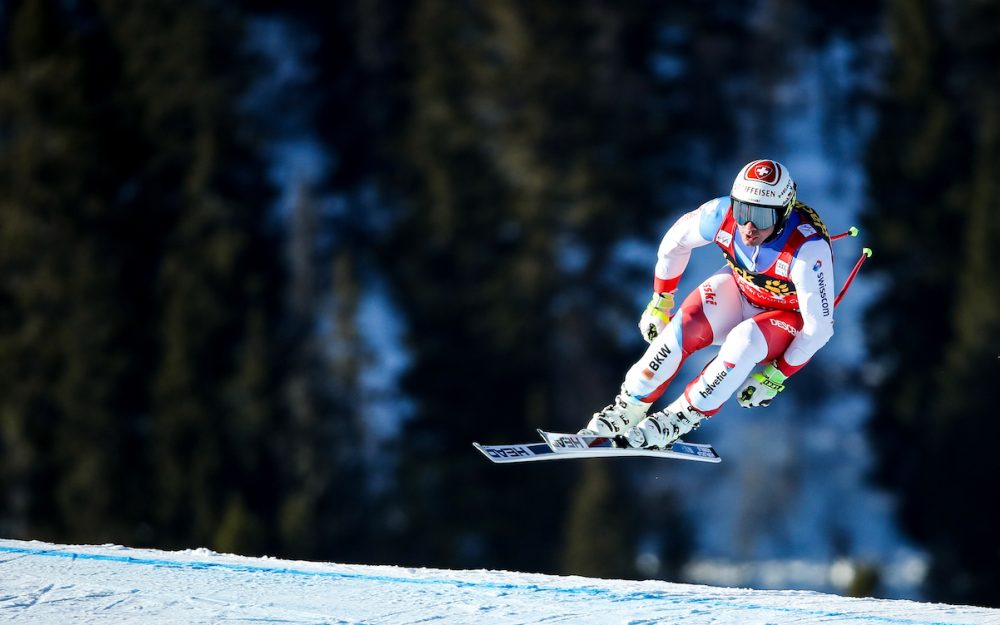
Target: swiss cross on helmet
[763,193]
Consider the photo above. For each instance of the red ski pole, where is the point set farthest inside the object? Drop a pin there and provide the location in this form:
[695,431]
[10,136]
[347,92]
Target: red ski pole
[866,253]
[851,232]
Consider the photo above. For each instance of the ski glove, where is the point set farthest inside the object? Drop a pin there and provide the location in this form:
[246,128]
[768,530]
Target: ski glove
[657,316]
[761,388]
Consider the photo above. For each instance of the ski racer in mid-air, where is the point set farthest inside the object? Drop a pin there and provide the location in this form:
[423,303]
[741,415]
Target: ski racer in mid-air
[771,304]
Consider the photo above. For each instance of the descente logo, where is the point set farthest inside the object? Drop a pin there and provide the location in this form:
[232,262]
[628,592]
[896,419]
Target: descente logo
[784,325]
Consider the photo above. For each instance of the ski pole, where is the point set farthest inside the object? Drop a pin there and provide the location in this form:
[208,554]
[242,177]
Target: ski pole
[851,232]
[866,253]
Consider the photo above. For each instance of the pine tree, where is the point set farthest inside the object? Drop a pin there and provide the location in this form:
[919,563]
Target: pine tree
[72,399]
[142,327]
[327,515]
[935,157]
[597,508]
[214,414]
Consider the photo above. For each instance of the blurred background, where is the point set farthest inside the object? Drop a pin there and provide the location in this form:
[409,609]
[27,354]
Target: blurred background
[268,268]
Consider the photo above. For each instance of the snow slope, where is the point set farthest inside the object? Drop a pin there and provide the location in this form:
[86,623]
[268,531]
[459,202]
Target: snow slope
[42,583]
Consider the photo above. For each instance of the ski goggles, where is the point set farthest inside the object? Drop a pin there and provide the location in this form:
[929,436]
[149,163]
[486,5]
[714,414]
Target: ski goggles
[760,216]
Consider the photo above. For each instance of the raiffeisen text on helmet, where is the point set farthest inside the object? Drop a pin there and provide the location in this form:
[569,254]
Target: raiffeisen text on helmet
[753,191]
[747,190]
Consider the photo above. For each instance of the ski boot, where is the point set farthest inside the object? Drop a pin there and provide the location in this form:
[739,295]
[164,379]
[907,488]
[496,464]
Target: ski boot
[617,417]
[660,429]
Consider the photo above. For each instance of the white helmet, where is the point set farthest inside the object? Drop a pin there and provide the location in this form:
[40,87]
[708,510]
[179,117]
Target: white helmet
[762,185]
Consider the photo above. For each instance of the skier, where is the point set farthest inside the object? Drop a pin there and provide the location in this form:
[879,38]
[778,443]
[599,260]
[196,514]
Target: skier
[771,304]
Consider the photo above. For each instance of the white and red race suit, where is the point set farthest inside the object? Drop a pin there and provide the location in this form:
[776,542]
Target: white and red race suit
[772,302]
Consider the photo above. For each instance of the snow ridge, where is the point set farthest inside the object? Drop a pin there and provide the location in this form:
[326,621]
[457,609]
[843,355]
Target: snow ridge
[44,583]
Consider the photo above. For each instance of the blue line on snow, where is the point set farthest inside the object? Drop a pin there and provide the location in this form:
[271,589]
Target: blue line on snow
[601,592]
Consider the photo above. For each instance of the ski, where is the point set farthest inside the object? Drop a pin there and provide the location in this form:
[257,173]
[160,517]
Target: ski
[561,446]
[601,446]
[523,452]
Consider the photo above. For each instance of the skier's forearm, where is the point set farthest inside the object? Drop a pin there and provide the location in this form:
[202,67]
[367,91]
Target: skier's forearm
[812,274]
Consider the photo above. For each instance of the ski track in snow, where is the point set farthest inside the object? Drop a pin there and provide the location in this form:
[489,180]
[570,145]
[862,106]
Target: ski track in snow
[42,583]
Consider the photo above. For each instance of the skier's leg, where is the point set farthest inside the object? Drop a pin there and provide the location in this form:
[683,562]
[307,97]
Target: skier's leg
[705,315]
[743,348]
[762,338]
[757,339]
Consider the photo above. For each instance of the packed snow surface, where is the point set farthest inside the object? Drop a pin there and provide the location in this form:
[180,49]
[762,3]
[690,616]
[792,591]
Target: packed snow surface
[43,583]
